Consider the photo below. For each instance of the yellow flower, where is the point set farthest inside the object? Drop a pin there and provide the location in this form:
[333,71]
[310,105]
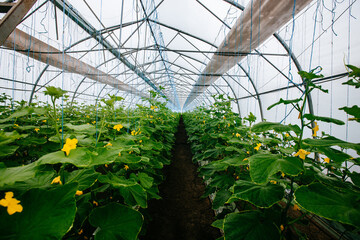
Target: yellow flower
[109,144]
[78,193]
[37,129]
[16,125]
[228,124]
[126,167]
[87,116]
[56,180]
[237,135]
[11,203]
[93,122]
[44,121]
[80,232]
[204,121]
[118,127]
[153,107]
[296,207]
[151,116]
[95,203]
[140,141]
[60,130]
[287,135]
[283,175]
[245,159]
[224,117]
[57,119]
[327,160]
[282,227]
[133,132]
[69,145]
[315,129]
[272,181]
[119,154]
[257,147]
[247,152]
[302,154]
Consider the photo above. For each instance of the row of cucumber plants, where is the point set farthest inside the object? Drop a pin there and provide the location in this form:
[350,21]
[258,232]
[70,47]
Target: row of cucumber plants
[80,171]
[265,178]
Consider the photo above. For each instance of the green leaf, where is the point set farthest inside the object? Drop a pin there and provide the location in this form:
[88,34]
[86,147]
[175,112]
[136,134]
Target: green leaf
[331,141]
[46,214]
[277,127]
[282,101]
[353,111]
[220,198]
[145,180]
[84,128]
[323,119]
[84,177]
[329,203]
[17,114]
[78,157]
[249,226]
[42,179]
[116,221]
[355,178]
[334,154]
[54,92]
[218,224]
[264,195]
[11,175]
[309,75]
[264,165]
[9,137]
[7,151]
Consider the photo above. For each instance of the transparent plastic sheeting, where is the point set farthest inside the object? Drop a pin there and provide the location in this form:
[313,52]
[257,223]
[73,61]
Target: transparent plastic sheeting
[175,43]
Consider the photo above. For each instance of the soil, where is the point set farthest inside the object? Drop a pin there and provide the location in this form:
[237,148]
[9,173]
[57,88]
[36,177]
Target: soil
[181,213]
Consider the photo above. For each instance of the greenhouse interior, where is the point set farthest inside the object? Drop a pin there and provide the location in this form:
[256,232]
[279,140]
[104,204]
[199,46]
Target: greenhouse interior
[191,120]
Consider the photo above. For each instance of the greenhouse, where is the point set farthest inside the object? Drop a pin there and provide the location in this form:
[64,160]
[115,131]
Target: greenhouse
[191,120]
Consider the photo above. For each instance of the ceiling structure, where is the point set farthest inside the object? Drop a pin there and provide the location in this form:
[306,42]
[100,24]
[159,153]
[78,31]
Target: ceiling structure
[185,51]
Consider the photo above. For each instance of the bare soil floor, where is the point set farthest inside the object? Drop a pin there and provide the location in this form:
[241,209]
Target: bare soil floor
[181,213]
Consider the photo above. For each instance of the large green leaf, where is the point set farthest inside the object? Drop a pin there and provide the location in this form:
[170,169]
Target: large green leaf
[282,101]
[84,128]
[264,165]
[9,137]
[116,221]
[249,226]
[19,113]
[220,198]
[11,175]
[266,126]
[78,157]
[42,179]
[46,214]
[331,141]
[264,195]
[145,180]
[323,119]
[329,203]
[84,177]
[8,150]
[354,111]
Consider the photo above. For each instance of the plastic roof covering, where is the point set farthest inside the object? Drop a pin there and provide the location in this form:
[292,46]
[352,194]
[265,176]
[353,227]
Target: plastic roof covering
[174,45]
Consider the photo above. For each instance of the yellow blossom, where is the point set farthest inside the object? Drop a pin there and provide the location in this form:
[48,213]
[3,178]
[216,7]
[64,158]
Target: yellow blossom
[78,193]
[151,116]
[245,159]
[60,130]
[237,135]
[140,141]
[87,116]
[16,125]
[224,117]
[133,132]
[11,203]
[237,177]
[315,129]
[119,154]
[257,147]
[95,203]
[204,121]
[126,167]
[57,119]
[93,122]
[118,127]
[56,180]
[302,154]
[287,135]
[327,160]
[247,152]
[37,129]
[107,145]
[44,121]
[282,227]
[153,108]
[228,124]
[283,175]
[69,145]
[272,181]
[80,232]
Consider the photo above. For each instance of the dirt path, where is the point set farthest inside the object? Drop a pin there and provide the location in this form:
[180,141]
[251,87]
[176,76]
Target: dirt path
[181,214]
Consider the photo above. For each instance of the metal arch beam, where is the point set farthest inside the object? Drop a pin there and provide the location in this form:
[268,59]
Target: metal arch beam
[256,91]
[78,19]
[278,12]
[161,56]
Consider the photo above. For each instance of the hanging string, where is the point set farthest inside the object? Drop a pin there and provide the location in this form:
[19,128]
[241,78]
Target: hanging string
[313,38]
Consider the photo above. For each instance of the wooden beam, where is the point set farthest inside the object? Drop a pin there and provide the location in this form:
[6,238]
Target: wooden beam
[34,48]
[6,6]
[260,20]
[13,17]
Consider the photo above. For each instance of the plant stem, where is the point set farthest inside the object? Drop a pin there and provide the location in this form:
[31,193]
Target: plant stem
[284,213]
